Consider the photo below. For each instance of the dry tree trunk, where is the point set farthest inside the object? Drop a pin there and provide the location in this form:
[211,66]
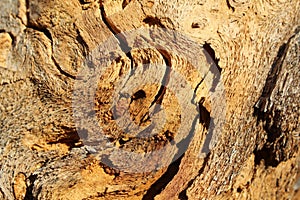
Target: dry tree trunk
[83,83]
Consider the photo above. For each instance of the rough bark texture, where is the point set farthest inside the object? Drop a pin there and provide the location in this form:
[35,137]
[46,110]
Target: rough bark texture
[42,48]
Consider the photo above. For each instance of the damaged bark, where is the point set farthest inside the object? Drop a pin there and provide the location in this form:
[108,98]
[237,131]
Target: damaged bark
[161,64]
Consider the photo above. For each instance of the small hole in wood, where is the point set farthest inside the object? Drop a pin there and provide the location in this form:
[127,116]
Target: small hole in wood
[239,190]
[195,25]
[139,95]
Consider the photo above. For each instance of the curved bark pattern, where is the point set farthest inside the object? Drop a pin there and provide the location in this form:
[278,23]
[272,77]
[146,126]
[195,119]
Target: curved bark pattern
[48,48]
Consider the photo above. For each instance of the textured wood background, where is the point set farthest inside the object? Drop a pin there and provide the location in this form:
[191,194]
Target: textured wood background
[43,46]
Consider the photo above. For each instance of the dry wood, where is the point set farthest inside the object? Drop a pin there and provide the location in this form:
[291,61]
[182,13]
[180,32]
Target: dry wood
[142,99]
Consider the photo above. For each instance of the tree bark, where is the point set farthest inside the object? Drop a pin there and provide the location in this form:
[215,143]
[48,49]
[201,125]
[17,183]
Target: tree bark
[149,99]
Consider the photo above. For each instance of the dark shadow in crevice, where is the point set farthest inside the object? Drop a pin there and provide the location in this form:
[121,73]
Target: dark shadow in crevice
[125,3]
[117,34]
[272,152]
[83,2]
[152,21]
[70,138]
[140,94]
[212,55]
[173,168]
[13,38]
[29,190]
[229,6]
[163,181]
[82,42]
[183,193]
[214,69]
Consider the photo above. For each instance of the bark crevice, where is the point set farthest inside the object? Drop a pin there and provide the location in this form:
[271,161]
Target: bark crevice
[47,33]
[152,21]
[29,190]
[157,187]
[13,38]
[125,3]
[116,32]
[230,6]
[183,193]
[160,95]
[207,47]
[261,107]
[265,111]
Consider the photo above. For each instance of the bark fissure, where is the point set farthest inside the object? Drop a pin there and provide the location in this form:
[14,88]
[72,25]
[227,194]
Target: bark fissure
[69,138]
[270,84]
[183,193]
[272,152]
[160,95]
[27,5]
[159,185]
[196,89]
[2,191]
[162,90]
[29,190]
[47,33]
[204,114]
[269,153]
[118,35]
[254,149]
[83,2]
[13,38]
[125,3]
[207,47]
[13,82]
[81,41]
[152,21]
[33,26]
[116,32]
[142,7]
[61,70]
[229,6]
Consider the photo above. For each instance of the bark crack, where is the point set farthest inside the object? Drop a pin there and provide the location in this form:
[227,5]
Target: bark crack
[207,47]
[142,7]
[152,21]
[159,185]
[161,92]
[13,38]
[183,193]
[196,89]
[160,95]
[70,138]
[81,41]
[12,82]
[266,112]
[262,104]
[47,33]
[230,6]
[60,69]
[116,33]
[125,3]
[29,190]
[27,4]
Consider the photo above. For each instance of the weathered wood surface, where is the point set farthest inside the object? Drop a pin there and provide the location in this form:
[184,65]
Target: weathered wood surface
[48,152]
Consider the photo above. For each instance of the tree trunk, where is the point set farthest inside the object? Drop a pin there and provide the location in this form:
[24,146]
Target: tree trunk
[149,99]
